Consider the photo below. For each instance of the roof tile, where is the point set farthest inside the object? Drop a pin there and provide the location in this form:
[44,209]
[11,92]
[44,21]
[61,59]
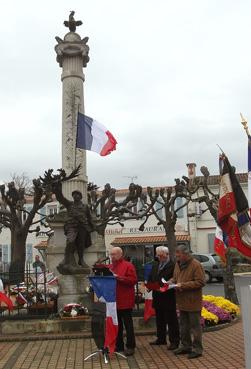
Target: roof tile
[146,239]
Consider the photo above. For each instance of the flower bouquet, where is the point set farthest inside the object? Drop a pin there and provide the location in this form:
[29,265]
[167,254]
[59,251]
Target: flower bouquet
[73,310]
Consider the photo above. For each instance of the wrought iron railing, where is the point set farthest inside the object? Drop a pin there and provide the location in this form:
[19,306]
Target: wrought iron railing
[33,296]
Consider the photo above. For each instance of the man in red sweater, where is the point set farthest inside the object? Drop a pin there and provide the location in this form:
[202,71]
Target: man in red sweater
[125,274]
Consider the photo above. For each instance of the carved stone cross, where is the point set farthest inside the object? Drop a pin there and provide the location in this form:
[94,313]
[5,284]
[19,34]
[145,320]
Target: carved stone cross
[72,24]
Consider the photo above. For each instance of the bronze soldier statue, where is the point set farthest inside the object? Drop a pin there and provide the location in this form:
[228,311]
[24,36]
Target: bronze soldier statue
[77,228]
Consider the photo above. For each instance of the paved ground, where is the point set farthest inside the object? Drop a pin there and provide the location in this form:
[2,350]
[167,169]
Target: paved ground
[214,288]
[223,350]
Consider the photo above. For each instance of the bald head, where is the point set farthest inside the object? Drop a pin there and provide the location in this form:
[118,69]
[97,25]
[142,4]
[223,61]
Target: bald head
[116,253]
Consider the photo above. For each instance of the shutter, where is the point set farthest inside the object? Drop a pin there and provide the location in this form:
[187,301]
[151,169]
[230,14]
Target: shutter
[5,253]
[29,253]
[211,237]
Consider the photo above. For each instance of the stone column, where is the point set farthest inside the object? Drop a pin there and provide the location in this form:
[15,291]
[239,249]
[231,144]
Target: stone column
[72,56]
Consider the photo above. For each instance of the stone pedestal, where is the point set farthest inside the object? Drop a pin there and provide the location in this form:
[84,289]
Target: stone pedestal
[241,280]
[72,289]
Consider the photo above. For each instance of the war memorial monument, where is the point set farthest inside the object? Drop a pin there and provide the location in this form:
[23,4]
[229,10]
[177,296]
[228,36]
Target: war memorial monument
[72,237]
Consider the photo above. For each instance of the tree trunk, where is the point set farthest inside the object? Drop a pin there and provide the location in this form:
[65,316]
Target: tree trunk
[171,241]
[229,284]
[18,254]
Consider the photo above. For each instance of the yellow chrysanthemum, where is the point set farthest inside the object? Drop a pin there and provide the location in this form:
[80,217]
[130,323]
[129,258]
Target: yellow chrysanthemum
[223,303]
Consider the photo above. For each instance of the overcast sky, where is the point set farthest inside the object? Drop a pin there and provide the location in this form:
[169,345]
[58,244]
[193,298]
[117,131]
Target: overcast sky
[168,79]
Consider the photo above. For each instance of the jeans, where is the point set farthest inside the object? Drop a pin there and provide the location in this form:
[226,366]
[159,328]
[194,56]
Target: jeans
[125,320]
[191,331]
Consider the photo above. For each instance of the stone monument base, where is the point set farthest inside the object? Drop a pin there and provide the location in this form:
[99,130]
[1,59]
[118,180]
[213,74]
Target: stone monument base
[72,289]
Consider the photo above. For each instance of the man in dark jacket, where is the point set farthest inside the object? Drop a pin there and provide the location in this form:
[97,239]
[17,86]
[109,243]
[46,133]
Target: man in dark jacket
[164,303]
[126,277]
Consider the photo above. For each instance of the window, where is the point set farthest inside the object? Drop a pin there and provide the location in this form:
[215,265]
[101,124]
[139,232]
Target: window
[178,204]
[217,258]
[197,257]
[42,213]
[25,215]
[203,259]
[29,253]
[5,253]
[134,209]
[52,209]
[149,253]
[159,207]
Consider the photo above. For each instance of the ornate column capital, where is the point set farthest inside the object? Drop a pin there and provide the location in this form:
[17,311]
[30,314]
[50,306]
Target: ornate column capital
[72,46]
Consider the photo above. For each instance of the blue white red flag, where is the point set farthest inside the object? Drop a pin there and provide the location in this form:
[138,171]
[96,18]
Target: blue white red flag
[94,136]
[233,211]
[105,289]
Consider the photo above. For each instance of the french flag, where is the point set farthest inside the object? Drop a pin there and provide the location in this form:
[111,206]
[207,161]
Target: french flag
[233,214]
[94,136]
[105,289]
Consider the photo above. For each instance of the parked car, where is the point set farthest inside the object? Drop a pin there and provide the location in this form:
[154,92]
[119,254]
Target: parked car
[212,266]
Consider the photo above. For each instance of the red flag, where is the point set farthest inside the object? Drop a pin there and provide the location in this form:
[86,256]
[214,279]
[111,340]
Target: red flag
[148,309]
[219,245]
[4,298]
[233,209]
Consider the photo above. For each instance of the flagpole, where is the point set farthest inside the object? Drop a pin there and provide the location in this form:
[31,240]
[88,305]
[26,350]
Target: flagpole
[244,122]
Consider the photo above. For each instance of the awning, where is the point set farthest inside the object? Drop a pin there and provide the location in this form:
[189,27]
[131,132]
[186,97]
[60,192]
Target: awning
[42,245]
[146,240]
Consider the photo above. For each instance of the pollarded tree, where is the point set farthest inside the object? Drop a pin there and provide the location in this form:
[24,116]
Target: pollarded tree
[15,216]
[164,206]
[107,210]
[141,205]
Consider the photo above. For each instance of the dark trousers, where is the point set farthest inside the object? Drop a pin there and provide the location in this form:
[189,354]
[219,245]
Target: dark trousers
[168,317]
[191,331]
[125,320]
